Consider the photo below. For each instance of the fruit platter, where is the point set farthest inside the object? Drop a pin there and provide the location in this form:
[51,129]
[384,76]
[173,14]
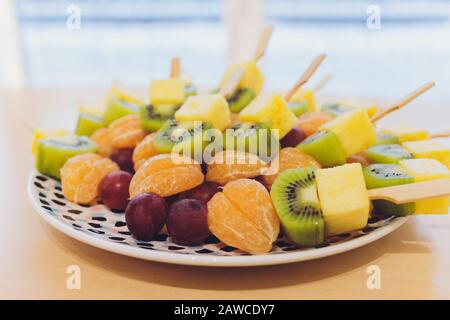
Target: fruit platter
[238,175]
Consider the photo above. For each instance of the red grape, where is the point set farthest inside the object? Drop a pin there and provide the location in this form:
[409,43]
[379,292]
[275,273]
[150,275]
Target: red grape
[124,158]
[293,138]
[114,189]
[145,215]
[203,192]
[187,222]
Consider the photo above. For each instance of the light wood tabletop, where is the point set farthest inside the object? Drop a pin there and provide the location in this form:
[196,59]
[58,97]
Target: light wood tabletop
[414,260]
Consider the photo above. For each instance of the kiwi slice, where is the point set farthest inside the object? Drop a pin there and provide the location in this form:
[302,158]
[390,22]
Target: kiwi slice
[387,153]
[190,90]
[298,107]
[172,133]
[387,175]
[336,109]
[87,124]
[53,153]
[153,117]
[117,108]
[256,138]
[325,147]
[240,99]
[387,138]
[294,195]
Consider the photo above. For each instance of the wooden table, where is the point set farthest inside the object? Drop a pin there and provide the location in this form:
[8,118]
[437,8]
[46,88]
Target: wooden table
[414,260]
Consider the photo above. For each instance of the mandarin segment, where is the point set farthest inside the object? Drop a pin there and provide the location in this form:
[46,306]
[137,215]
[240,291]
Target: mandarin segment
[289,158]
[126,132]
[81,176]
[166,175]
[244,218]
[310,122]
[144,150]
[103,139]
[230,165]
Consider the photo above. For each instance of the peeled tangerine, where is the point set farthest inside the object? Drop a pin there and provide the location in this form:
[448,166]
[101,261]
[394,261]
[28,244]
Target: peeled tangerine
[230,165]
[243,216]
[207,108]
[272,110]
[423,170]
[166,175]
[310,122]
[343,198]
[289,158]
[81,176]
[103,139]
[354,131]
[144,150]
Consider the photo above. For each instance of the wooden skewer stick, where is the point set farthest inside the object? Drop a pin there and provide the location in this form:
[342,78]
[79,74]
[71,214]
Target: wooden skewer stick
[323,82]
[263,42]
[412,192]
[403,102]
[175,68]
[305,76]
[440,135]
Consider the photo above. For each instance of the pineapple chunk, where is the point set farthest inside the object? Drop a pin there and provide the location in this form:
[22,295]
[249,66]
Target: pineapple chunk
[168,91]
[252,77]
[354,131]
[307,96]
[355,103]
[95,111]
[121,95]
[428,169]
[343,198]
[271,109]
[429,149]
[208,107]
[39,134]
[407,133]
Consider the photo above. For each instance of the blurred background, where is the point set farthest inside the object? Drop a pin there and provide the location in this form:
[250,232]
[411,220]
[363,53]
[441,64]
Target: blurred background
[82,43]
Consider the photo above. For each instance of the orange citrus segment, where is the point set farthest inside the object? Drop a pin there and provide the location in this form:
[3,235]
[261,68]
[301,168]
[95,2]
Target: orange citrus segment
[103,139]
[310,122]
[126,132]
[144,150]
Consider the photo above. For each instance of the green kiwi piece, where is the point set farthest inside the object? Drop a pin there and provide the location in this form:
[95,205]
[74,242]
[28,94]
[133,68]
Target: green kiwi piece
[294,195]
[252,137]
[325,147]
[387,153]
[336,109]
[53,153]
[240,99]
[387,138]
[87,124]
[387,175]
[173,133]
[298,107]
[190,90]
[117,108]
[153,117]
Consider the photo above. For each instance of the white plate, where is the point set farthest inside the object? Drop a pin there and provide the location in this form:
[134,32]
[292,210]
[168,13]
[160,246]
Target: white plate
[98,226]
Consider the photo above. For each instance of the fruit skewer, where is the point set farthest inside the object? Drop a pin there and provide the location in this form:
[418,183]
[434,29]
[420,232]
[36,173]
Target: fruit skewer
[242,82]
[350,133]
[344,204]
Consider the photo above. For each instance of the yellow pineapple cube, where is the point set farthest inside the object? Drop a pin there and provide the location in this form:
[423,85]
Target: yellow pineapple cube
[407,133]
[343,198]
[39,134]
[92,110]
[272,110]
[354,130]
[121,95]
[252,77]
[423,170]
[307,96]
[354,103]
[208,108]
[168,91]
[430,149]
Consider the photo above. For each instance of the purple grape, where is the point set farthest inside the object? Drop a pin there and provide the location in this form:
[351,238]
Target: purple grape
[124,158]
[145,215]
[187,223]
[114,189]
[203,192]
[293,138]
